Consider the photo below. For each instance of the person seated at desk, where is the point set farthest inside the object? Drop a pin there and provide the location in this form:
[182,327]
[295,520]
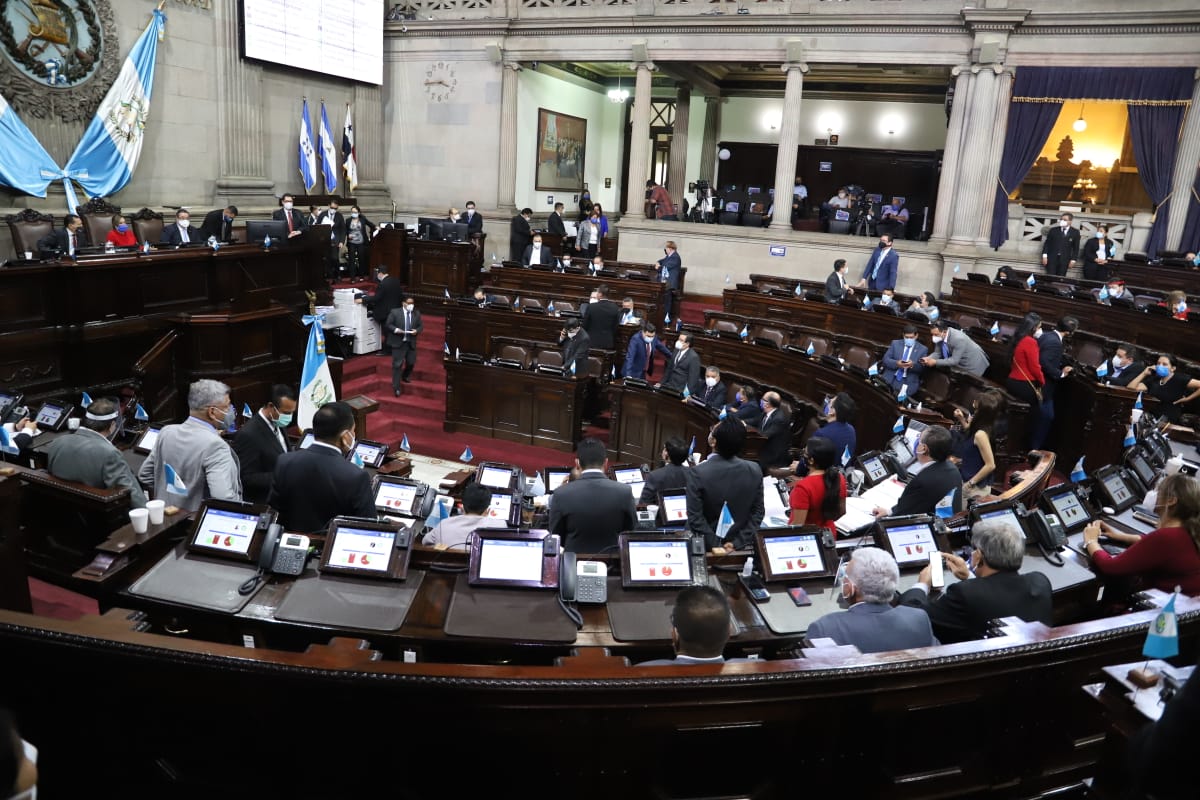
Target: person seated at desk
[902,362]
[1166,557]
[472,219]
[953,348]
[835,285]
[205,466]
[261,441]
[601,318]
[819,498]
[887,299]
[893,219]
[671,475]
[725,478]
[575,343]
[218,224]
[88,455]
[314,485]
[536,253]
[456,531]
[629,315]
[926,305]
[520,235]
[121,234]
[1125,366]
[872,623]
[839,425]
[64,241]
[297,223]
[182,232]
[974,447]
[1115,294]
[589,512]
[963,610]
[683,368]
[639,355]
[482,298]
[747,407]
[714,394]
[1169,386]
[1177,302]
[21,435]
[937,478]
[699,628]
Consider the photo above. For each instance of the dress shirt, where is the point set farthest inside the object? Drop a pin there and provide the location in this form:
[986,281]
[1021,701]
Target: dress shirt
[274,428]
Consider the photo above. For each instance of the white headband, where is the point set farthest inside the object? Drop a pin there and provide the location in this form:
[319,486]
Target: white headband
[101,418]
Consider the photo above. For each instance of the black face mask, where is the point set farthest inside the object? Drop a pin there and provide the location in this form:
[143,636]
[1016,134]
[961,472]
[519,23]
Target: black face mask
[882,245]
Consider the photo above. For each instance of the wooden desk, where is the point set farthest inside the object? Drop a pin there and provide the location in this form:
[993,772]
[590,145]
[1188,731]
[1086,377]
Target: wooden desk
[474,330]
[514,405]
[643,420]
[434,267]
[389,247]
[646,294]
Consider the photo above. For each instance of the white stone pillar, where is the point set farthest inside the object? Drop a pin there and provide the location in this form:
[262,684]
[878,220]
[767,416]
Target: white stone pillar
[242,161]
[369,143]
[708,148]
[951,155]
[975,186]
[991,171]
[639,144]
[506,181]
[789,140]
[1187,157]
[677,176]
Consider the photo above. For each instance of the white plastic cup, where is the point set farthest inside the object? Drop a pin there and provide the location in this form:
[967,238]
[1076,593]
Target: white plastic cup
[73,424]
[140,519]
[155,509]
[29,255]
[695,458]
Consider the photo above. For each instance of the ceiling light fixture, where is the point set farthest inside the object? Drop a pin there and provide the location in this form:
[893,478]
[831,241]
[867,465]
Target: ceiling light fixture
[618,95]
[1080,125]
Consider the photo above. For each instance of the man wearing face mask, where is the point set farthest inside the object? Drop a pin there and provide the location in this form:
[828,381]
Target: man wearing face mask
[671,475]
[882,267]
[182,231]
[88,455]
[537,253]
[953,348]
[1060,246]
[902,364]
[403,326]
[938,476]
[639,356]
[1050,357]
[683,368]
[575,343]
[1124,367]
[332,216]
[1115,294]
[601,318]
[64,241]
[714,393]
[218,224]
[205,465]
[669,267]
[297,223]
[261,441]
[472,218]
[314,485]
[629,315]
[520,236]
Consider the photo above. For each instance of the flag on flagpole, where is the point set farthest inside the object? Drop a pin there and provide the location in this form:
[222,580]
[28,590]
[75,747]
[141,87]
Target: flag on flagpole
[573,372]
[692,447]
[903,393]
[828,407]
[1103,295]
[1078,474]
[85,399]
[866,302]
[356,460]
[873,369]
[538,488]
[1130,438]
[995,329]
[438,514]
[175,484]
[329,153]
[745,331]
[246,412]
[810,350]
[667,320]
[724,523]
[846,455]
[1138,402]
[1030,281]
[108,153]
[140,414]
[724,412]
[404,445]
[446,292]
[898,425]
[686,393]
[1162,638]
[945,506]
[6,443]
[799,292]
[467,455]
[316,384]
[349,156]
[24,163]
[446,348]
[308,155]
[1102,370]
[727,278]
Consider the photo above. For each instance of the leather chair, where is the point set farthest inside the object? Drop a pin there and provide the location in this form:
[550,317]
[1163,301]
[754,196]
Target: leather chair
[548,357]
[516,354]
[935,387]
[27,227]
[97,216]
[770,337]
[147,226]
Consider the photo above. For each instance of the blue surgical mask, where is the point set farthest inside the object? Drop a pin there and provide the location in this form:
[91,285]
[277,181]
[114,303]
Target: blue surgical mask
[1162,370]
[284,420]
[229,420]
[122,228]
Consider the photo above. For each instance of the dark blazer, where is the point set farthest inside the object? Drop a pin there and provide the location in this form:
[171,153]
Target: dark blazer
[892,357]
[601,321]
[715,397]
[1126,375]
[875,627]
[1060,249]
[886,278]
[590,511]
[673,263]
[215,225]
[257,450]
[635,355]
[300,221]
[834,291]
[929,486]
[778,432]
[545,255]
[963,611]
[396,320]
[474,223]
[668,476]
[576,350]
[57,240]
[520,236]
[171,235]
[387,296]
[1050,356]
[717,481]
[686,373]
[555,224]
[335,221]
[750,413]
[315,485]
[1091,251]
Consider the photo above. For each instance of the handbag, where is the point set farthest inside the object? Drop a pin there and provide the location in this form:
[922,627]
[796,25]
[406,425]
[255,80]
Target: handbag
[1036,389]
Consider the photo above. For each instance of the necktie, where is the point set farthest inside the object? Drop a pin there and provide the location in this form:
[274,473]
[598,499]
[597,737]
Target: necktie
[878,261]
[907,352]
[288,214]
[183,235]
[945,351]
[649,356]
[72,243]
[407,325]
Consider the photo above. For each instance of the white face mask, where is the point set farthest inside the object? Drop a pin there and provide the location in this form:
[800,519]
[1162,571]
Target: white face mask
[183,223]
[1116,362]
[353,215]
[1099,234]
[679,344]
[537,244]
[593,299]
[571,334]
[1037,334]
[409,307]
[937,339]
[287,206]
[1064,224]
[883,301]
[649,339]
[710,382]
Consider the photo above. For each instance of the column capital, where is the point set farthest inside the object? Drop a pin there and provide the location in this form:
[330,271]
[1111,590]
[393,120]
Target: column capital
[714,100]
[515,66]
[788,66]
[995,69]
[637,65]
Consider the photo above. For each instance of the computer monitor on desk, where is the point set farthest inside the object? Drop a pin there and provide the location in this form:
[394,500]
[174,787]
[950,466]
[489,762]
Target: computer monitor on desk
[430,228]
[367,549]
[257,230]
[656,560]
[794,553]
[513,559]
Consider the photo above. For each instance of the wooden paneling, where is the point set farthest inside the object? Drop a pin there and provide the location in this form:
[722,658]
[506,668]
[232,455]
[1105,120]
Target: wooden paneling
[514,405]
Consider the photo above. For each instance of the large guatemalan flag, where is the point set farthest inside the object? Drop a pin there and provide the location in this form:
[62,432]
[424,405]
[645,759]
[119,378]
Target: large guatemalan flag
[24,163]
[316,384]
[107,155]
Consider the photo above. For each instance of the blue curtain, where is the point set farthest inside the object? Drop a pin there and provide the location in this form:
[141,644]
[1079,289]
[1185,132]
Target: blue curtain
[1190,243]
[1155,134]
[1029,125]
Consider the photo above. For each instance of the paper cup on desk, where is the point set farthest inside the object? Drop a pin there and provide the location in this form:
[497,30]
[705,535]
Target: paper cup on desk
[29,255]
[155,509]
[695,458]
[139,518]
[73,424]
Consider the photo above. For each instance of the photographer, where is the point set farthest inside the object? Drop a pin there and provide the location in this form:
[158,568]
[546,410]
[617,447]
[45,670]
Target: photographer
[893,220]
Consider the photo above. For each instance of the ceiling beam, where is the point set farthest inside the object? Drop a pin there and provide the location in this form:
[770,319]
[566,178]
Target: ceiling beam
[686,73]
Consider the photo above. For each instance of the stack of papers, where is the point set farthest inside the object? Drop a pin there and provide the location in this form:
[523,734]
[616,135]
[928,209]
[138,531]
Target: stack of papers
[858,509]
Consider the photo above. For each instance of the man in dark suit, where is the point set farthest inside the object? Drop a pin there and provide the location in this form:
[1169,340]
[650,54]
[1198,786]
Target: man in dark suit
[699,628]
[671,475]
[314,485]
[836,286]
[683,368]
[937,478]
[963,610]
[714,394]
[297,223]
[555,223]
[575,343]
[537,253]
[882,267]
[472,218]
[519,235]
[639,355]
[218,224]
[333,217]
[1060,247]
[591,510]
[725,478]
[1050,356]
[388,295]
[669,269]
[601,318]
[182,232]
[64,241]
[871,623]
[749,410]
[403,326]
[1124,367]
[260,442]
[776,427]
[902,362]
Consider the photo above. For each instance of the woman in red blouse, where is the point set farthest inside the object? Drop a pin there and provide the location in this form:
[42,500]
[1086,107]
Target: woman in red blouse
[820,497]
[1165,558]
[122,234]
[1025,379]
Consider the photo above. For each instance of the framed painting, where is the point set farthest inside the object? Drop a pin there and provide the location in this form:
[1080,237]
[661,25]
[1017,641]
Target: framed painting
[561,151]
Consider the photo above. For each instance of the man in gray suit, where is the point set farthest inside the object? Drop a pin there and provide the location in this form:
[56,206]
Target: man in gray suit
[872,624]
[88,456]
[205,465]
[722,479]
[591,510]
[953,348]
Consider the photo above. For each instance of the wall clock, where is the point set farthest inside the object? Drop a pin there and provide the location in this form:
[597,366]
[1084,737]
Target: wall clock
[440,81]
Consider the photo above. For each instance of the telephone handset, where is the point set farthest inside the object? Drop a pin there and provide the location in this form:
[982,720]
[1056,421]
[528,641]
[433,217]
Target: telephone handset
[283,553]
[1048,534]
[582,581]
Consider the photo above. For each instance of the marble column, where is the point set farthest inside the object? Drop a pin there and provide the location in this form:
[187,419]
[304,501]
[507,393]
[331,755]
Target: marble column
[991,168]
[975,187]
[708,148]
[677,176]
[506,182]
[243,164]
[639,145]
[951,155]
[369,144]
[789,140]
[1186,159]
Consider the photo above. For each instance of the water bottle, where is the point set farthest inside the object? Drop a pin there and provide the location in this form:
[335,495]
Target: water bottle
[748,567]
[267,241]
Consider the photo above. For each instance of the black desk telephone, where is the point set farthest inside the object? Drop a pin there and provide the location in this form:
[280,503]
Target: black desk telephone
[283,553]
[1048,534]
